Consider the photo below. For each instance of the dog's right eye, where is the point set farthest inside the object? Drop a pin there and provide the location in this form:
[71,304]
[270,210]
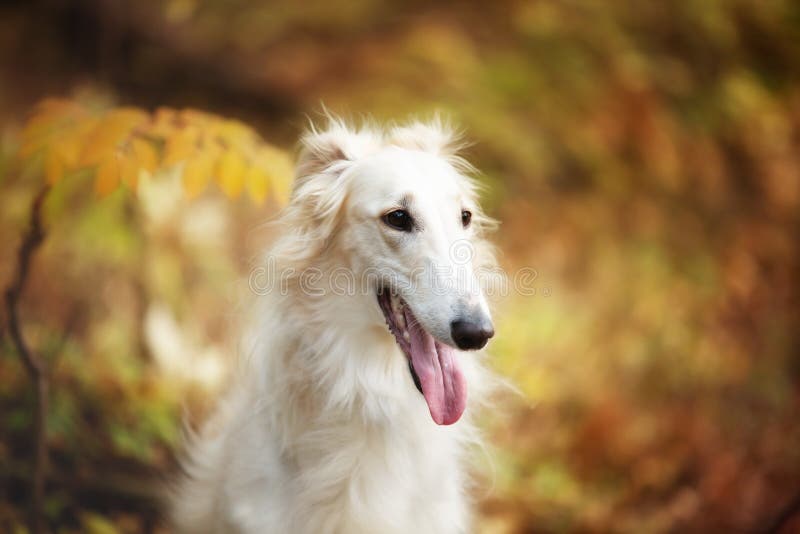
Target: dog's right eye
[399,220]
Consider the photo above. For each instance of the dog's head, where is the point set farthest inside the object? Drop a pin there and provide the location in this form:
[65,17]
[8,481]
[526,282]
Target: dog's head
[399,212]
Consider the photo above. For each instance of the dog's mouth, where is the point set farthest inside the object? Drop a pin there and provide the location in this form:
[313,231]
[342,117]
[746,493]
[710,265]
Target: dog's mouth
[434,366]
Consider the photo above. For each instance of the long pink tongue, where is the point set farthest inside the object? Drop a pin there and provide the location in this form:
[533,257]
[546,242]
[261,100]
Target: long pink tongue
[437,367]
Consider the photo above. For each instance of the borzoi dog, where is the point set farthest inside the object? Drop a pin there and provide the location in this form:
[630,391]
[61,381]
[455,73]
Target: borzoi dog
[350,411]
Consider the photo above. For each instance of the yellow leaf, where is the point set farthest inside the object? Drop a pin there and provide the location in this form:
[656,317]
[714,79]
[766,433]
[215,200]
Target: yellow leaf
[197,174]
[257,183]
[53,167]
[145,154]
[280,170]
[230,173]
[233,133]
[109,133]
[50,116]
[180,146]
[108,175]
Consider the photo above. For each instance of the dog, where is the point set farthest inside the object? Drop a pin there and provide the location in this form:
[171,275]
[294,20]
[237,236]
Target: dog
[350,412]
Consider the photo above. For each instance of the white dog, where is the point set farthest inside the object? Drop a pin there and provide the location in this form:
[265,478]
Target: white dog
[350,413]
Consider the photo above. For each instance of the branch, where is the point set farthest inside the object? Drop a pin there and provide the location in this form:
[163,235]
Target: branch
[35,366]
[784,515]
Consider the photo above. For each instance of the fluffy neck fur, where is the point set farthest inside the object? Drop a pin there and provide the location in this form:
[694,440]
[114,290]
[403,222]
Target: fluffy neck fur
[356,435]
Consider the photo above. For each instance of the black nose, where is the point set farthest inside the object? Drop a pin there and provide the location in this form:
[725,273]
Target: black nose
[471,335]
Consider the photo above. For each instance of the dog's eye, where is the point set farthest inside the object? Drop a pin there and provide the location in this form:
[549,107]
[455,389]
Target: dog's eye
[399,220]
[466,218]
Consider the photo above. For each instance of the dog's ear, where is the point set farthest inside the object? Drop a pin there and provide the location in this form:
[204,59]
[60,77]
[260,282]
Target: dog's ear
[320,188]
[328,151]
[436,136]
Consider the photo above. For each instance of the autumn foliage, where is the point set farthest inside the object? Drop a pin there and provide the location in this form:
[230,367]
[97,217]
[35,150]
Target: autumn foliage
[117,145]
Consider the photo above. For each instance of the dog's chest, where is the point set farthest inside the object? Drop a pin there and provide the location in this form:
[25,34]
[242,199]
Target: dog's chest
[399,479]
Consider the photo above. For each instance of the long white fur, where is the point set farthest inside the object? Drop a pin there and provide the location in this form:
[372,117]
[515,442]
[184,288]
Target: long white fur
[323,430]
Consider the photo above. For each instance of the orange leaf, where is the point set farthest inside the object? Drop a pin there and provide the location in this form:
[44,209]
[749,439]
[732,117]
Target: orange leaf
[108,175]
[144,154]
[69,145]
[69,149]
[180,146]
[53,167]
[50,116]
[47,114]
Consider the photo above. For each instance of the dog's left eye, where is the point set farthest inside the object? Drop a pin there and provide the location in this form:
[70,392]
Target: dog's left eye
[466,218]
[399,220]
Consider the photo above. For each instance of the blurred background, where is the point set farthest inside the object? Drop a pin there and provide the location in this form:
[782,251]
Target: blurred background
[642,157]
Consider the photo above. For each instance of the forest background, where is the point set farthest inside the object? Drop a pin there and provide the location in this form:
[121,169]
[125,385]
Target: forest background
[642,157]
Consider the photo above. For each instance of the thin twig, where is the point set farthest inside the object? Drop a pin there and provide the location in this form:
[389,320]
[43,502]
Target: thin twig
[74,318]
[34,364]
